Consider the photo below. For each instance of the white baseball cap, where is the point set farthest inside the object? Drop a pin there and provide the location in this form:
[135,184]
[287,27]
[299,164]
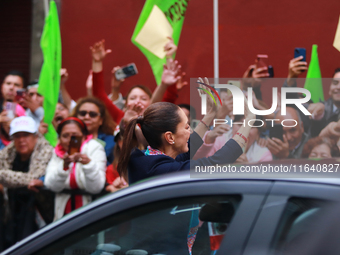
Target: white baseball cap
[23,124]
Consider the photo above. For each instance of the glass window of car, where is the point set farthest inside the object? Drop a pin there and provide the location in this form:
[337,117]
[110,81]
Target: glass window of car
[164,227]
[298,218]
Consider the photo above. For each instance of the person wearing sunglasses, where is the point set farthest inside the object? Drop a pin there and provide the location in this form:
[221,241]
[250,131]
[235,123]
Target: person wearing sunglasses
[98,122]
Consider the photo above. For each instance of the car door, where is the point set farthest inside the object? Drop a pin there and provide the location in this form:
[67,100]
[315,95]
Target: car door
[290,209]
[168,219]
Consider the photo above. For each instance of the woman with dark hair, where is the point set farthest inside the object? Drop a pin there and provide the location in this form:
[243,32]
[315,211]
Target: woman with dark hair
[165,127]
[83,170]
[98,122]
[320,147]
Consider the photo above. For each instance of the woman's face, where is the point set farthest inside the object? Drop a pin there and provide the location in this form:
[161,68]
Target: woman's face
[136,96]
[61,113]
[320,151]
[89,113]
[182,134]
[69,130]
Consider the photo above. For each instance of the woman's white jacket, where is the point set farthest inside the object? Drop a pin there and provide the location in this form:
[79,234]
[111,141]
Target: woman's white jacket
[89,177]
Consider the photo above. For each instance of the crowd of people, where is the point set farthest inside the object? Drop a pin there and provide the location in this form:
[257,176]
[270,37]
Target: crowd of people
[123,139]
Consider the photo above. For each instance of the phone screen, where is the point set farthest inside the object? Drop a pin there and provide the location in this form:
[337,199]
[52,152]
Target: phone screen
[126,71]
[271,71]
[276,131]
[75,144]
[300,52]
[261,60]
[20,94]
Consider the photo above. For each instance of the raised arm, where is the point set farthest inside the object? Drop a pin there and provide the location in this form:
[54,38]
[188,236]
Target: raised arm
[64,93]
[295,68]
[169,77]
[98,54]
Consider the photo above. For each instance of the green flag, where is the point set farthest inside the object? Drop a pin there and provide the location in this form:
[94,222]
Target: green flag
[157,20]
[313,79]
[49,80]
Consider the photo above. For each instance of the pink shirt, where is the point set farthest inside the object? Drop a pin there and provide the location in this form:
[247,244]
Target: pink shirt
[256,153]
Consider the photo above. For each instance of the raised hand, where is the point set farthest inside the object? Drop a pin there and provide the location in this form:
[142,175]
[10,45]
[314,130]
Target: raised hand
[227,106]
[98,51]
[296,67]
[170,48]
[63,75]
[212,108]
[317,110]
[252,76]
[43,128]
[216,132]
[278,148]
[181,83]
[170,73]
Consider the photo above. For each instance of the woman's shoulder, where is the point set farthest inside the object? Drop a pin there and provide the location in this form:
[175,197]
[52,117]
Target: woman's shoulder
[93,144]
[104,137]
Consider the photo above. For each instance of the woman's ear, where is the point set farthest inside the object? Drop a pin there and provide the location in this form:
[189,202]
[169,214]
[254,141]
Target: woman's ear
[169,137]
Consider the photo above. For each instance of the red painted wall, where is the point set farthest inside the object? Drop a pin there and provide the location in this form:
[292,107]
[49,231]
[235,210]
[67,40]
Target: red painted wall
[15,36]
[246,28]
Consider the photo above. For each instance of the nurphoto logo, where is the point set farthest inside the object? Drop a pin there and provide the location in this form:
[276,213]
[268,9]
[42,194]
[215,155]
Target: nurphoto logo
[238,102]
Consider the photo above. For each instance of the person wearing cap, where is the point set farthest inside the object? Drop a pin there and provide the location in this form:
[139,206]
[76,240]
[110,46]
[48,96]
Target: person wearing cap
[24,159]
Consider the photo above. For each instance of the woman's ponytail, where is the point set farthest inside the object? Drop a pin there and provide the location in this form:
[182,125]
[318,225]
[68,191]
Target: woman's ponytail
[129,143]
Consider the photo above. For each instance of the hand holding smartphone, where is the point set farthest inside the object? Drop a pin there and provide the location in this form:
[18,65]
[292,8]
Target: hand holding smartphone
[126,71]
[74,145]
[261,62]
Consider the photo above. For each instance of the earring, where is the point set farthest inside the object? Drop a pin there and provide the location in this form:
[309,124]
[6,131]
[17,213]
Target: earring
[173,142]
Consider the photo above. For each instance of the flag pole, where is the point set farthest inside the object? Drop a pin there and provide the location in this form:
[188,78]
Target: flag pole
[216,52]
[46,7]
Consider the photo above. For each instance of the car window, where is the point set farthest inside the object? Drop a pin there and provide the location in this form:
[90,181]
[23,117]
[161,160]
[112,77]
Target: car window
[297,219]
[165,227]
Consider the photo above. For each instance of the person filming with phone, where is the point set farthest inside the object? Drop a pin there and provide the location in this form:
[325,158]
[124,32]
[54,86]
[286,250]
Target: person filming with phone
[78,162]
[293,137]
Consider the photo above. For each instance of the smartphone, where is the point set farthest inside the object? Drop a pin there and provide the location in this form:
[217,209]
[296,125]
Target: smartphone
[20,94]
[126,71]
[300,52]
[10,108]
[261,60]
[75,144]
[276,131]
[271,71]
